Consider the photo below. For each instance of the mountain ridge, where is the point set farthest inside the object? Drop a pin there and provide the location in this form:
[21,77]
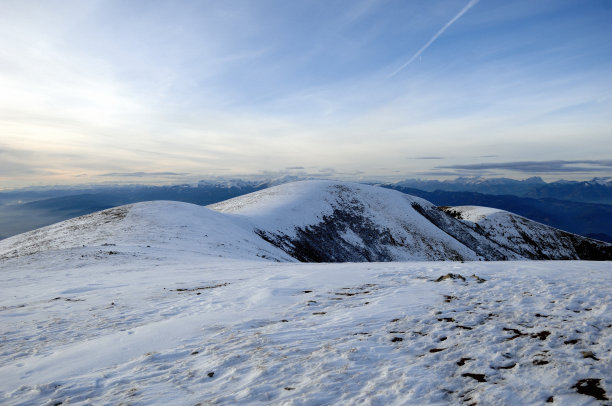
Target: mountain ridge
[313,221]
[24,210]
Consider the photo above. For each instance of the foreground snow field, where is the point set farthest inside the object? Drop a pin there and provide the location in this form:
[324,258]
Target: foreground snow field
[141,325]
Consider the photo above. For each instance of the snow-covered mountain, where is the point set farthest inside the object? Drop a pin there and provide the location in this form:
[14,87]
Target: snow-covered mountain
[528,238]
[316,221]
[326,221]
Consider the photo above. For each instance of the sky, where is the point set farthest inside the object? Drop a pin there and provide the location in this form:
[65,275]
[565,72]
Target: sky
[98,91]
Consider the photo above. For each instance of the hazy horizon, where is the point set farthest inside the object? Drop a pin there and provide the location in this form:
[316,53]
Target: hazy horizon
[155,180]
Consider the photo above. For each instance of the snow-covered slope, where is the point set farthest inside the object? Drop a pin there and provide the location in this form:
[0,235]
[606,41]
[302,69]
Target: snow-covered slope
[140,227]
[528,238]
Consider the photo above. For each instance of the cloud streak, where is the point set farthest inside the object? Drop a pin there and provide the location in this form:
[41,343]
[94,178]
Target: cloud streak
[538,166]
[464,10]
[142,174]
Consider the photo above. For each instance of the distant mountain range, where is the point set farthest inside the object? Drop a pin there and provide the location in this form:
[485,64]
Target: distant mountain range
[596,190]
[316,221]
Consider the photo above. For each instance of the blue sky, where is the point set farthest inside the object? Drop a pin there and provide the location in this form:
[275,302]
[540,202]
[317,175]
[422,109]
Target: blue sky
[94,91]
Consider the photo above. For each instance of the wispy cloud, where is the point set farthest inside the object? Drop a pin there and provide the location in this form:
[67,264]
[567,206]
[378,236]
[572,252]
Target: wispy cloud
[539,166]
[438,174]
[464,10]
[141,174]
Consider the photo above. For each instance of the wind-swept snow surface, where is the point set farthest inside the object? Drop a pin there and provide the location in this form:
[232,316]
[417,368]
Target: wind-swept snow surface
[82,326]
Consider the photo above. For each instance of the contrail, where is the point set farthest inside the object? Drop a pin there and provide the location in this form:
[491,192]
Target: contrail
[471,4]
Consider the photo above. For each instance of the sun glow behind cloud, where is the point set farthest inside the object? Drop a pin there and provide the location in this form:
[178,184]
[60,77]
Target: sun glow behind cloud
[212,88]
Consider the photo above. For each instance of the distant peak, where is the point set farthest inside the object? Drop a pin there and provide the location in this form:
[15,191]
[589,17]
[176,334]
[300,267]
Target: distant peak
[534,179]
